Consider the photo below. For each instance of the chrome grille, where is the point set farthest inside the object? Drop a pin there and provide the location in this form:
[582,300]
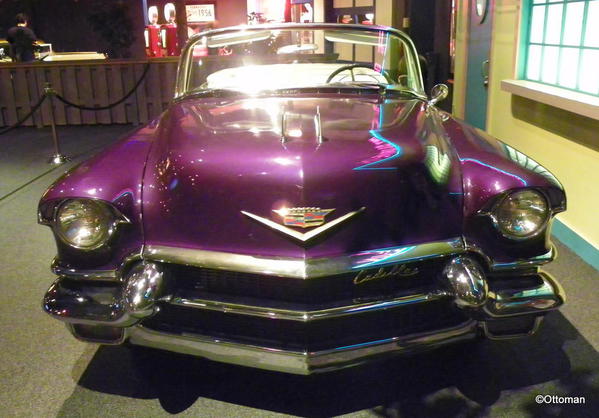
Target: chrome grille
[192,282]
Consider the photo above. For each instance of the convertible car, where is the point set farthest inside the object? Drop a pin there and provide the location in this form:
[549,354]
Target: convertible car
[302,206]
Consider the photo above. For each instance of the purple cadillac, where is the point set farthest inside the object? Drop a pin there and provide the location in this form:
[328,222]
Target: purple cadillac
[302,206]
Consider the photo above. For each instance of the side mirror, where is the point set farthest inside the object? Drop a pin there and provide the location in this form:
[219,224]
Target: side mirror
[438,93]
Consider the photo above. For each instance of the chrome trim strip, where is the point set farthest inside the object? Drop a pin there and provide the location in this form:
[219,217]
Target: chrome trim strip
[283,126]
[530,262]
[303,237]
[302,268]
[307,316]
[296,362]
[491,336]
[318,126]
[262,265]
[110,275]
[74,333]
[82,274]
[546,297]
[514,265]
[356,354]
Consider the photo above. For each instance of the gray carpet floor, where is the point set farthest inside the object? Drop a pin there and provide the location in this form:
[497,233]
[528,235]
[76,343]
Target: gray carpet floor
[44,372]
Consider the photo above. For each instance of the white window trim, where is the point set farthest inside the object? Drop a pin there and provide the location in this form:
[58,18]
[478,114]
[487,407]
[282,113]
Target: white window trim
[572,101]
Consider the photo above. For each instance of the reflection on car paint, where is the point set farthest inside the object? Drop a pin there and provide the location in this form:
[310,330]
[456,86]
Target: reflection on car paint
[376,257]
[438,164]
[530,164]
[472,160]
[385,147]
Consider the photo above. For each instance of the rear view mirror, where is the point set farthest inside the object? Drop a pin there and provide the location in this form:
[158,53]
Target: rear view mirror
[438,93]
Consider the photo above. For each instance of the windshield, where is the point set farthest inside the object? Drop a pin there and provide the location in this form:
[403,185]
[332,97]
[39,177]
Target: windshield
[267,58]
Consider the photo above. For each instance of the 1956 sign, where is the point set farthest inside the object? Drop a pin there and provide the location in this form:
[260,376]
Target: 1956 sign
[200,13]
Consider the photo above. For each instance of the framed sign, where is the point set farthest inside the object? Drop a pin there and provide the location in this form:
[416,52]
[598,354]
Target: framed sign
[200,13]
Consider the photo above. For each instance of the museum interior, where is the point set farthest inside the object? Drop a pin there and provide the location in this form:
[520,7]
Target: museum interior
[264,208]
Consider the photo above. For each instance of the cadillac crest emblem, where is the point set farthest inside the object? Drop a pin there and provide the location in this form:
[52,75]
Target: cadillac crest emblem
[303,217]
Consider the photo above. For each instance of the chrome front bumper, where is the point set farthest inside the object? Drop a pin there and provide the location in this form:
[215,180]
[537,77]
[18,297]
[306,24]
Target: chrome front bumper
[297,362]
[115,312]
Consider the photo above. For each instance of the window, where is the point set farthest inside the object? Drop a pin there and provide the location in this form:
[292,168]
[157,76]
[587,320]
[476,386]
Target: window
[562,44]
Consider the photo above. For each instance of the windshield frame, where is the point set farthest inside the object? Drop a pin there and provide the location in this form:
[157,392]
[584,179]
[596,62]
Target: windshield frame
[184,67]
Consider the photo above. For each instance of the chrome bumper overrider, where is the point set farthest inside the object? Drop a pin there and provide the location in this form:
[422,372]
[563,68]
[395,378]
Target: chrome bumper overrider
[113,312]
[102,303]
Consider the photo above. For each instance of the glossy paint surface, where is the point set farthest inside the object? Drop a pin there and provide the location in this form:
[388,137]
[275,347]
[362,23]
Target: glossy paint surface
[215,159]
[489,169]
[421,175]
[114,175]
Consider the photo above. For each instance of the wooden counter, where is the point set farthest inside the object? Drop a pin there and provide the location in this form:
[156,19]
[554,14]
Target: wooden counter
[89,83]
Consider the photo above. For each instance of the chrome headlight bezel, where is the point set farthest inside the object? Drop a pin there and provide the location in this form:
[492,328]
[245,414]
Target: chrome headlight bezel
[498,223]
[111,219]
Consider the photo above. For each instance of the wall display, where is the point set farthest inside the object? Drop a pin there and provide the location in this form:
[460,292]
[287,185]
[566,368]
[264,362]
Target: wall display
[197,13]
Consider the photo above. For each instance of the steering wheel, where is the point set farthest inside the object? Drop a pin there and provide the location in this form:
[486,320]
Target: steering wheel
[351,67]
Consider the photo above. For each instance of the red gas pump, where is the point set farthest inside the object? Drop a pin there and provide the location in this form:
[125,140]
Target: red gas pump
[152,34]
[168,32]
[169,39]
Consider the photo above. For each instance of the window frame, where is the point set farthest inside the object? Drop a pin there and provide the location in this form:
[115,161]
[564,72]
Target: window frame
[185,61]
[525,43]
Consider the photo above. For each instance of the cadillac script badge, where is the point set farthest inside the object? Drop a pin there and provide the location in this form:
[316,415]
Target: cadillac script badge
[303,217]
[396,271]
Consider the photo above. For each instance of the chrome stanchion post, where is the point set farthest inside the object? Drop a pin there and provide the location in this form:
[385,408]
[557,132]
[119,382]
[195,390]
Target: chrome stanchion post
[57,158]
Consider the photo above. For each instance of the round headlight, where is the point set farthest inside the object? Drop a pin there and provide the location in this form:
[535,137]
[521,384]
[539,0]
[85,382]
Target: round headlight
[522,214]
[83,223]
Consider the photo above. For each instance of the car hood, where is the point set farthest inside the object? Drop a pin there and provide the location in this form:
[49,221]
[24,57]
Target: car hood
[221,164]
